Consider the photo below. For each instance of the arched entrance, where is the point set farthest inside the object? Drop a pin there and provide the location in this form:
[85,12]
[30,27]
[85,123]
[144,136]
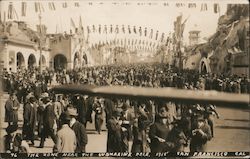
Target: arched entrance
[204,66]
[60,62]
[20,63]
[31,61]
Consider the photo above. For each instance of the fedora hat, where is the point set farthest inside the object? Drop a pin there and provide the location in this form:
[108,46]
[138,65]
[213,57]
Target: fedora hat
[65,116]
[72,111]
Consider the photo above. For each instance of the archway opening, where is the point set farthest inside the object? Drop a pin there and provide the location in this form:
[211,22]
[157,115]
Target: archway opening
[20,63]
[60,62]
[31,61]
[203,68]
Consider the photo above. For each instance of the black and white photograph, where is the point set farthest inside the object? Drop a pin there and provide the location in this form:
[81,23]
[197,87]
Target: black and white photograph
[128,78]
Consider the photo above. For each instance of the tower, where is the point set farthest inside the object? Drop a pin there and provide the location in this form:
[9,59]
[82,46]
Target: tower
[194,37]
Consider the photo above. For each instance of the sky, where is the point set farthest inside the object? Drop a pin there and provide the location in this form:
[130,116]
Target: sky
[155,16]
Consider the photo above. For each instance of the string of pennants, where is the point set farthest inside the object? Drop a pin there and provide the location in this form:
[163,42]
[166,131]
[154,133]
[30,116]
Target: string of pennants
[131,44]
[126,29]
[40,6]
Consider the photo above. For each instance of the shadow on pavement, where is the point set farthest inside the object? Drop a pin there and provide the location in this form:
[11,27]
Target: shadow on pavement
[233,127]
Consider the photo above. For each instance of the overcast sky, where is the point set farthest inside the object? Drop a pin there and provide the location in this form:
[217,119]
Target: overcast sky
[156,16]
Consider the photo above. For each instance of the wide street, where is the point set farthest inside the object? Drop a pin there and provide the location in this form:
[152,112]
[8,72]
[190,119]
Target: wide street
[232,132]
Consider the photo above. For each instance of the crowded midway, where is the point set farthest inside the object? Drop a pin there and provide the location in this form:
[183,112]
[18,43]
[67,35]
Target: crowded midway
[181,52]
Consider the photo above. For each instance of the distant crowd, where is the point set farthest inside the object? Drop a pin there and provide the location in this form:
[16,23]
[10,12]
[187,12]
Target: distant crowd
[142,75]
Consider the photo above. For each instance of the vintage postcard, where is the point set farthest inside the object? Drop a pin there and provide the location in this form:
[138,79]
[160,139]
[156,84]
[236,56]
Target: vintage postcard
[128,78]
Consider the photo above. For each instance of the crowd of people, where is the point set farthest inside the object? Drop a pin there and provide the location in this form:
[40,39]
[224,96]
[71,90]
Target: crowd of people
[151,126]
[144,75]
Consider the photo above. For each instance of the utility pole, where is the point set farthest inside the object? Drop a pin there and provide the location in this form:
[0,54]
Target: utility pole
[40,43]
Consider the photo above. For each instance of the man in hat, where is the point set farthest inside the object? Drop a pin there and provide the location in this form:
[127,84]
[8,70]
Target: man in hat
[30,118]
[128,118]
[66,138]
[201,134]
[11,110]
[79,129]
[114,141]
[49,121]
[177,135]
[8,139]
[98,108]
[159,131]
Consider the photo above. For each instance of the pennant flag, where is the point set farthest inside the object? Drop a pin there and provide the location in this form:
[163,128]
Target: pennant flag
[182,28]
[162,37]
[10,11]
[177,27]
[203,7]
[77,4]
[111,29]
[216,8]
[80,24]
[72,23]
[140,31]
[51,5]
[129,30]
[156,35]
[151,34]
[116,29]
[42,29]
[41,7]
[24,8]
[93,28]
[134,29]
[36,7]
[64,5]
[100,29]
[105,29]
[88,29]
[191,5]
[123,29]
[145,32]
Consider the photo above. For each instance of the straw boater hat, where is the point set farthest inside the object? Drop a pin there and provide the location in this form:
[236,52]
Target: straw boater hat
[45,97]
